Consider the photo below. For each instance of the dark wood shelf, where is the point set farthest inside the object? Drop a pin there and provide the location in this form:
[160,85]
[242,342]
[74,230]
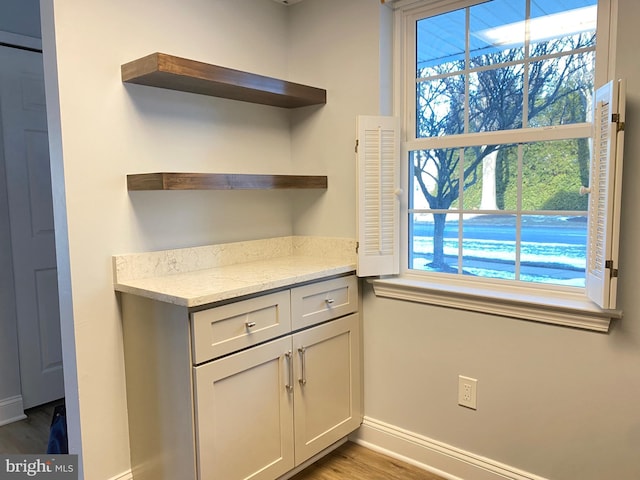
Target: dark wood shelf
[222,181]
[176,73]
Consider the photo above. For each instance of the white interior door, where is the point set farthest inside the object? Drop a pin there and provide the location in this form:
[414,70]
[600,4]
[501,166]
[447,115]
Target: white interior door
[26,151]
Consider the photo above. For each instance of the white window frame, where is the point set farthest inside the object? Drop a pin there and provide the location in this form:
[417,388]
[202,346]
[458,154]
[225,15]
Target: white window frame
[544,303]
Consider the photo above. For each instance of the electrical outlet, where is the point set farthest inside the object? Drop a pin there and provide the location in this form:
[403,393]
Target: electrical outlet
[467,392]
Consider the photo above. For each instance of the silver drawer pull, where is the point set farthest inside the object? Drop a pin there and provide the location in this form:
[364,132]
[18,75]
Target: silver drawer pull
[250,324]
[289,386]
[329,301]
[303,379]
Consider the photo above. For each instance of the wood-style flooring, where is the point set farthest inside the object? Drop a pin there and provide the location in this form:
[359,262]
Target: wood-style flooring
[354,462]
[348,462]
[31,435]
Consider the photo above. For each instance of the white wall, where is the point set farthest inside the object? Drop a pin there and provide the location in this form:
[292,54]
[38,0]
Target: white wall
[335,42]
[557,402]
[102,129]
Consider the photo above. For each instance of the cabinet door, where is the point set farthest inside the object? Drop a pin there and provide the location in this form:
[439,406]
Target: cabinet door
[244,414]
[328,401]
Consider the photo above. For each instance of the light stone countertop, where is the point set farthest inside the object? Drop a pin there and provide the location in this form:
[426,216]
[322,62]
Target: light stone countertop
[197,276]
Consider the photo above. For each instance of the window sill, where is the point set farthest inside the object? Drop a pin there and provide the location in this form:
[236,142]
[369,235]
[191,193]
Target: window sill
[547,306]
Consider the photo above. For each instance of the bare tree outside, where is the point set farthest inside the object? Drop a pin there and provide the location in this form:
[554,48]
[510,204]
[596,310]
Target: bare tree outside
[497,89]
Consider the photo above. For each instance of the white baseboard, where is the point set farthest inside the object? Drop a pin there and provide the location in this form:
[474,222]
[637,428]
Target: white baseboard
[440,458]
[431,455]
[11,410]
[128,475]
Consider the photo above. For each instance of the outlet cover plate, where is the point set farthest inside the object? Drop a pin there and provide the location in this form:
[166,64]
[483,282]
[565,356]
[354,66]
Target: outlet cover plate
[467,392]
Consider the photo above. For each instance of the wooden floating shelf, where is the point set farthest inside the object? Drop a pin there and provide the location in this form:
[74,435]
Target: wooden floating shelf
[222,181]
[176,73]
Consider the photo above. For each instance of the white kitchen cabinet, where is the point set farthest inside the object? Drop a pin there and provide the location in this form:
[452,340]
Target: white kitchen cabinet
[247,389]
[252,406]
[327,388]
[244,414]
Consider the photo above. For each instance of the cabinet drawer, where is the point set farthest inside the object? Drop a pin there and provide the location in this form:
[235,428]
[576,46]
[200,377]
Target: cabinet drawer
[317,302]
[222,330]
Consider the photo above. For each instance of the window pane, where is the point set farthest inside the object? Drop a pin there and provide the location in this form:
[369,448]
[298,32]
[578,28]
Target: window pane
[553,173]
[440,44]
[497,32]
[433,242]
[560,90]
[495,99]
[554,249]
[491,175]
[564,44]
[557,23]
[489,246]
[503,211]
[434,181]
[440,107]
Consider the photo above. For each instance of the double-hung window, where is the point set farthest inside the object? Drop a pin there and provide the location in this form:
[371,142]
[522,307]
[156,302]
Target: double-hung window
[508,185]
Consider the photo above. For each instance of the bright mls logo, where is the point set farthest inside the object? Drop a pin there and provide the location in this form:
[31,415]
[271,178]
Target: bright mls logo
[52,467]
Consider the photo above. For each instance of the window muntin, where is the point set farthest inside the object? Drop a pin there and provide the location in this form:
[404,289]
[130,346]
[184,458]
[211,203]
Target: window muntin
[532,228]
[496,26]
[496,77]
[525,221]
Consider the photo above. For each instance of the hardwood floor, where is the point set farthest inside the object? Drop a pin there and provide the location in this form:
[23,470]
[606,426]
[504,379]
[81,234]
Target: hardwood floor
[354,462]
[31,435]
[348,462]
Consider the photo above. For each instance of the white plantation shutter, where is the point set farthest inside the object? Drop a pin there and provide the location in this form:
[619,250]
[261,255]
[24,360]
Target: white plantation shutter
[378,153]
[605,194]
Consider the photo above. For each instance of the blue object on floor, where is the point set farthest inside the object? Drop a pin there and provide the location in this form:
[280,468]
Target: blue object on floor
[58,442]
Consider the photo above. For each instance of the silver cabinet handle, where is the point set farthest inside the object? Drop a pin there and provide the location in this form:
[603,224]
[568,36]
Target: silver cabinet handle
[303,362]
[250,324]
[329,301]
[289,386]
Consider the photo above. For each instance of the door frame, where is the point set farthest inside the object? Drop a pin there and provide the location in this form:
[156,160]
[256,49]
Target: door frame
[67,323]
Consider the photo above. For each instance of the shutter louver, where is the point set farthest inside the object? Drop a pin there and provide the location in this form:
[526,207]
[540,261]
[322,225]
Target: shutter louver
[378,203]
[605,195]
